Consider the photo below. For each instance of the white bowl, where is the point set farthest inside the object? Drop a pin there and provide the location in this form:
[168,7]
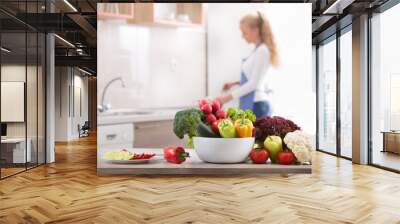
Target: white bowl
[223,150]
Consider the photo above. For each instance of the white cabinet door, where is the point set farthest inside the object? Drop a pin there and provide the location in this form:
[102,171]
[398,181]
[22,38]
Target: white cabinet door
[115,135]
[155,134]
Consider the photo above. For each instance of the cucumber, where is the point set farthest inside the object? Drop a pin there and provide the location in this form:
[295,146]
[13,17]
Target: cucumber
[205,131]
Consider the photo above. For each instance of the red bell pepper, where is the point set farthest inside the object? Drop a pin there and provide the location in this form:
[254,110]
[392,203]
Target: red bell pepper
[175,154]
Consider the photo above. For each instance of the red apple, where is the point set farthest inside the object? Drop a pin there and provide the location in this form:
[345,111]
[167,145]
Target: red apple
[259,156]
[210,118]
[206,108]
[216,105]
[286,157]
[221,114]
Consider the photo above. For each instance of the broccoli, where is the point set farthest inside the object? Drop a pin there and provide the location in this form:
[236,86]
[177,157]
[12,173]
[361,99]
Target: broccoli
[186,122]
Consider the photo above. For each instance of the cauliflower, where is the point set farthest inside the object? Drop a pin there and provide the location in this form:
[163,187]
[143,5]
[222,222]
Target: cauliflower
[301,145]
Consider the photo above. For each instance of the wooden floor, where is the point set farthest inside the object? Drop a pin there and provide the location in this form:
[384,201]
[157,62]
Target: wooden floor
[387,159]
[10,171]
[69,191]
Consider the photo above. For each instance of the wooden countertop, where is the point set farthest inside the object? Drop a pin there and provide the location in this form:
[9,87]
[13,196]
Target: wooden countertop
[193,166]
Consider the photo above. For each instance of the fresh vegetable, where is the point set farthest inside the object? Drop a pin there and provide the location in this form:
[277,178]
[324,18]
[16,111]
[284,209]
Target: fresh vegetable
[267,126]
[250,115]
[244,128]
[259,156]
[126,155]
[201,102]
[286,157]
[186,122]
[206,108]
[221,114]
[274,145]
[258,145]
[300,144]
[235,113]
[143,156]
[206,131]
[175,154]
[118,155]
[210,118]
[212,111]
[214,127]
[216,105]
[227,129]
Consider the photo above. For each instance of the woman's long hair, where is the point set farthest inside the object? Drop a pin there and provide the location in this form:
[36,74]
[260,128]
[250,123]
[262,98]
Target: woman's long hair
[261,22]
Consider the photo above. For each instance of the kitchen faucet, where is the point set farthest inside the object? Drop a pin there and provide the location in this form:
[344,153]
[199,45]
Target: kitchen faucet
[104,107]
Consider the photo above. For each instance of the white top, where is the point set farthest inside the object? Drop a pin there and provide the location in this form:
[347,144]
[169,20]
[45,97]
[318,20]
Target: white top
[255,68]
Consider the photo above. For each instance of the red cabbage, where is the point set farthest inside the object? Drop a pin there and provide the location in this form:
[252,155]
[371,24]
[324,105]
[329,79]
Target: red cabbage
[266,126]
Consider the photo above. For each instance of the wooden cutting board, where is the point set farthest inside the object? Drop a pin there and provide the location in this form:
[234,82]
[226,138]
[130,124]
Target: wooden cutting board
[194,166]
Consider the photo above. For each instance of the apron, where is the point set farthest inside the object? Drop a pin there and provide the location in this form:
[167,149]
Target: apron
[247,101]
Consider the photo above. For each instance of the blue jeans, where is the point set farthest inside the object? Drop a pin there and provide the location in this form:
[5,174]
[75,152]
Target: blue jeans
[262,108]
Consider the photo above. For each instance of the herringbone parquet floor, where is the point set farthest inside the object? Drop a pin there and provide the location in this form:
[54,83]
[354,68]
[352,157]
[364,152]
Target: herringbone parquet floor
[69,191]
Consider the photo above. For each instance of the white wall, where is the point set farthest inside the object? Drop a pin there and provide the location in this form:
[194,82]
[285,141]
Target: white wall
[292,82]
[161,67]
[66,121]
[17,73]
[80,83]
[33,126]
[62,81]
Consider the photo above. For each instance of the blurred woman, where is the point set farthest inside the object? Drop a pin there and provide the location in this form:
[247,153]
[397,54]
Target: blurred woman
[252,93]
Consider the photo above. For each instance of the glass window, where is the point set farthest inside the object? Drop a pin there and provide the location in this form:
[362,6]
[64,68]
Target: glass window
[327,96]
[22,92]
[14,153]
[346,94]
[385,87]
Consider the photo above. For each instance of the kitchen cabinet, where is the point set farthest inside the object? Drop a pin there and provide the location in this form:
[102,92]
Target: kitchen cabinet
[154,14]
[115,11]
[155,134]
[169,14]
[391,141]
[115,136]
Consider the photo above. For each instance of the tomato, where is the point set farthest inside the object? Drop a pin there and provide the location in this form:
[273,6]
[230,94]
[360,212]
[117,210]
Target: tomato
[286,157]
[259,156]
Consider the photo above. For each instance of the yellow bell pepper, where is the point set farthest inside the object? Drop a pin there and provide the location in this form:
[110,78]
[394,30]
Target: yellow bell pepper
[244,128]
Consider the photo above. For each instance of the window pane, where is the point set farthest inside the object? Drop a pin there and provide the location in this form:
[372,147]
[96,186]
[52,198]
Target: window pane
[386,89]
[13,86]
[327,96]
[346,93]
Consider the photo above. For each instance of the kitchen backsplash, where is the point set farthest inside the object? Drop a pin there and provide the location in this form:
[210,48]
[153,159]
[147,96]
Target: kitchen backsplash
[161,67]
